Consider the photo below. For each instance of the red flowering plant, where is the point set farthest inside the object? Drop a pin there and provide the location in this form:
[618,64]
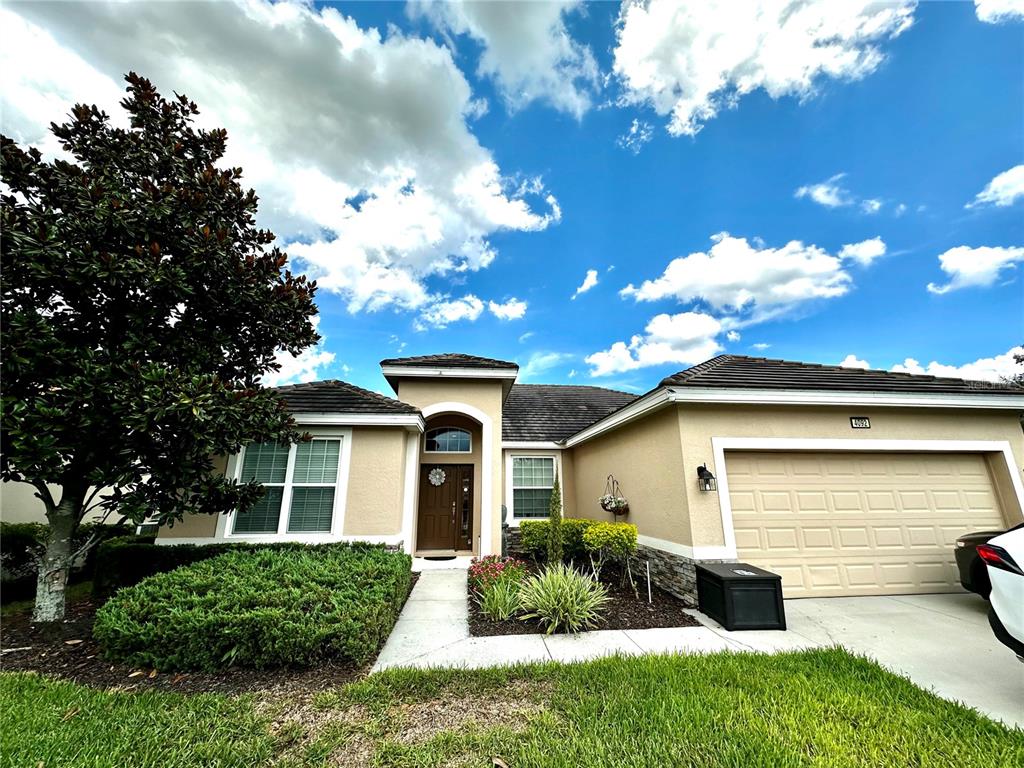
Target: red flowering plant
[485,571]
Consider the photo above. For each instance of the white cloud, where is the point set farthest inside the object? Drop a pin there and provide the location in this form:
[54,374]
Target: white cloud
[1004,190]
[829,193]
[302,367]
[975,267]
[527,50]
[871,205]
[997,11]
[900,209]
[863,252]
[444,312]
[589,281]
[760,346]
[852,361]
[640,132]
[733,336]
[525,337]
[690,60]
[685,338]
[735,275]
[542,362]
[571,374]
[357,141]
[994,368]
[513,309]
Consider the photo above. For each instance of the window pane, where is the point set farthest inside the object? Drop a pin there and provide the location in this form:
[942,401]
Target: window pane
[265,463]
[531,502]
[448,439]
[533,472]
[317,461]
[263,517]
[312,510]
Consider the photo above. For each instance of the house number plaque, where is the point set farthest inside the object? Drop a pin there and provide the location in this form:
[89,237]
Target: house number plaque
[860,422]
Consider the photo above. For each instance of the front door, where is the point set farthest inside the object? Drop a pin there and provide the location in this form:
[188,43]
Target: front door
[446,507]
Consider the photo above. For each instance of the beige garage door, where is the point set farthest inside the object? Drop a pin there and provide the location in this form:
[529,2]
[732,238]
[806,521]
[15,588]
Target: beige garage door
[859,523]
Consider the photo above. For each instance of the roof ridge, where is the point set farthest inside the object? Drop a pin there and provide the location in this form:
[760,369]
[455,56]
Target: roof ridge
[576,386]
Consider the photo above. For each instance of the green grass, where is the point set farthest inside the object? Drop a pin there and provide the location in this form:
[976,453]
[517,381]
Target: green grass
[73,594]
[812,708]
[63,725]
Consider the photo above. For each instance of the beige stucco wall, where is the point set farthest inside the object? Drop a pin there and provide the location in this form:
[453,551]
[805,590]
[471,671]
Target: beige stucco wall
[376,481]
[699,423]
[485,396]
[646,459]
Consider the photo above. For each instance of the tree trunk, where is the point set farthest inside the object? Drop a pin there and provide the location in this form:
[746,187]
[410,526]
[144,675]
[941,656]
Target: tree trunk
[56,563]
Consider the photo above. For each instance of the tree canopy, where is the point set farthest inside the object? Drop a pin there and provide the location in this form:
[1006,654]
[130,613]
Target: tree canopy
[141,305]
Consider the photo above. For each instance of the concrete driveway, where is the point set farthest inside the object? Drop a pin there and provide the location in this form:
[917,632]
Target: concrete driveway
[941,642]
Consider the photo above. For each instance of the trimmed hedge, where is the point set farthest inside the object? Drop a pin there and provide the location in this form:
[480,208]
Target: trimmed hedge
[19,541]
[127,561]
[533,538]
[268,607]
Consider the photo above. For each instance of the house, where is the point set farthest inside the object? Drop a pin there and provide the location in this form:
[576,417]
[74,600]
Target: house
[844,481]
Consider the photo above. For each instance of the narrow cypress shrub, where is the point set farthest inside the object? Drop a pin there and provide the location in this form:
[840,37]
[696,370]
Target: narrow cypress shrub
[555,524]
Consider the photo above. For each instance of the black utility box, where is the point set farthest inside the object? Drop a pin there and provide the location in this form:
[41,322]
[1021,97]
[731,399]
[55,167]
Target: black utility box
[740,596]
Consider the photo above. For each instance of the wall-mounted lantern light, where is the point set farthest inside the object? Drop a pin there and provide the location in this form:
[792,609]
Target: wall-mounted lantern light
[705,480]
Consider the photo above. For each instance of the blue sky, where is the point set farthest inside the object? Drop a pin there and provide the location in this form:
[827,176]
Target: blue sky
[452,177]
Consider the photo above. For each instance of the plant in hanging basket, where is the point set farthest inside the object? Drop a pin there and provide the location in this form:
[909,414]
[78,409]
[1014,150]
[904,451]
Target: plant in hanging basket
[617,505]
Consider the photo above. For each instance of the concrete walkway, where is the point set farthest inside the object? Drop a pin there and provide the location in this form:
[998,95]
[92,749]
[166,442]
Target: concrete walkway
[941,642]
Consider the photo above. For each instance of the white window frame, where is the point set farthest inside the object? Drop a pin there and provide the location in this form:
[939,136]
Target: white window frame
[510,496]
[469,434]
[226,524]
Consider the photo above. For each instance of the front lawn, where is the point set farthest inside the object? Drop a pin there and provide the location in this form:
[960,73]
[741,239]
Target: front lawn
[821,707]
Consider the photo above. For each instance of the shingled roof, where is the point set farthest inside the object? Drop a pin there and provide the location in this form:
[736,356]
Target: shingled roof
[333,396]
[450,359]
[741,372]
[552,412]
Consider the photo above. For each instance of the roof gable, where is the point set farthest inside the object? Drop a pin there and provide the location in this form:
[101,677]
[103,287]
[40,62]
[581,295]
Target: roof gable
[450,359]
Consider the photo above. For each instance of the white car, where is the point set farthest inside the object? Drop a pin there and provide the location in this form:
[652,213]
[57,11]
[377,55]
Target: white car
[1004,556]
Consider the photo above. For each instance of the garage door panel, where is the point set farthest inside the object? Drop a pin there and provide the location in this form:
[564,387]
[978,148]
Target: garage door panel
[859,524]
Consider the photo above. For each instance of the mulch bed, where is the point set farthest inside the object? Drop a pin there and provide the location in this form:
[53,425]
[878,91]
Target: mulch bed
[67,650]
[624,610]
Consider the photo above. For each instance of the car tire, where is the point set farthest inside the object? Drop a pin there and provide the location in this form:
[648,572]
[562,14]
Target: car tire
[980,582]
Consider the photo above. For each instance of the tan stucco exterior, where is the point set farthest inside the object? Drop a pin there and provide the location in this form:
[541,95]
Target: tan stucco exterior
[376,481]
[646,458]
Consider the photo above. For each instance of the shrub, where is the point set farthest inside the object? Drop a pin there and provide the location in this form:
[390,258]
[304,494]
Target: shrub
[266,607]
[484,571]
[555,523]
[500,600]
[127,561]
[609,541]
[562,597]
[533,537]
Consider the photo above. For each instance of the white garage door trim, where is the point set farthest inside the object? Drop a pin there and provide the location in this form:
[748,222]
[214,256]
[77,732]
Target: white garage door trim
[720,445]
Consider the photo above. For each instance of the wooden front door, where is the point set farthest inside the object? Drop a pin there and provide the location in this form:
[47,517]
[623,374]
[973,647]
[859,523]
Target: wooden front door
[446,507]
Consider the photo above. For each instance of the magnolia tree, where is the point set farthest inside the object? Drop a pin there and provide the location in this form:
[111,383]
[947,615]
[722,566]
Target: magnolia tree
[140,307]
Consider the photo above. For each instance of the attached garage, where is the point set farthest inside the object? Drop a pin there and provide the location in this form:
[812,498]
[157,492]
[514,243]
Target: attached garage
[859,523]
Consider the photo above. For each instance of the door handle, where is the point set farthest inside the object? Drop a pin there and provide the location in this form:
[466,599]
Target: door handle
[453,513]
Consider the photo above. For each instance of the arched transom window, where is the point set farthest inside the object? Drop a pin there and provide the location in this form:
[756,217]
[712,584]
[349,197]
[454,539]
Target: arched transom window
[448,440]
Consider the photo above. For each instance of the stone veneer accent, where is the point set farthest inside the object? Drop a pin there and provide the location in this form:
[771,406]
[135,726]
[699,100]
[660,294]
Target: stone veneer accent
[676,574]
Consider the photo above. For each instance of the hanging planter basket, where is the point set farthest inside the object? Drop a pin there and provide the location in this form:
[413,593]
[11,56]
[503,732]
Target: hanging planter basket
[613,501]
